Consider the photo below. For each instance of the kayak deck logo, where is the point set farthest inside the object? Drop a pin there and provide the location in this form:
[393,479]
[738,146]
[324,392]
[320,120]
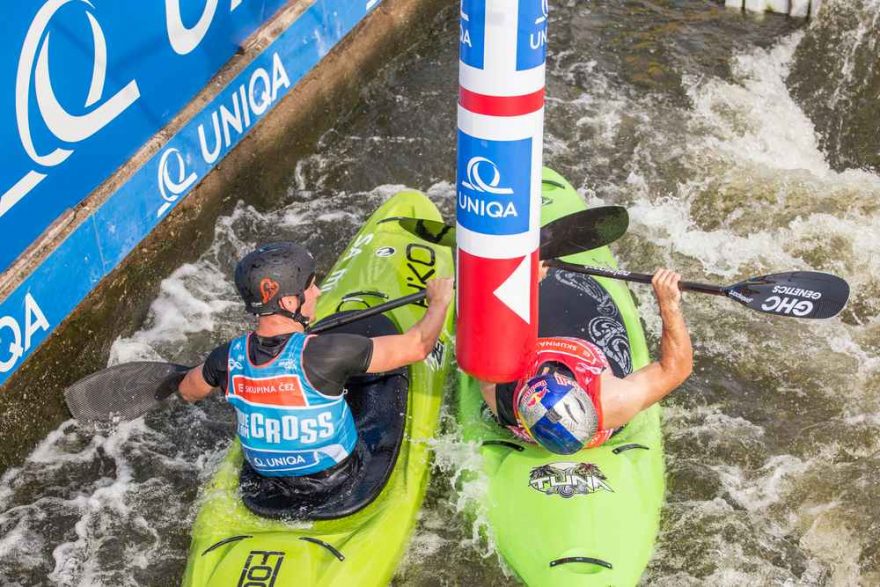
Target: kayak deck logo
[568,479]
[494,185]
[260,568]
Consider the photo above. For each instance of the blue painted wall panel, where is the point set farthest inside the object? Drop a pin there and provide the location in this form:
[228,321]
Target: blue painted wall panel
[115,229]
[67,124]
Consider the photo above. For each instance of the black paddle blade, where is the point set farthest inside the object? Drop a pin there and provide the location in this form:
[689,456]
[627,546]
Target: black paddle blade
[433,231]
[798,294]
[583,231]
[575,233]
[123,391]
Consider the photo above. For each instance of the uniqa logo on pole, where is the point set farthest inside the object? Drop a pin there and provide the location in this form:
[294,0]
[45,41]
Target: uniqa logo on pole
[500,144]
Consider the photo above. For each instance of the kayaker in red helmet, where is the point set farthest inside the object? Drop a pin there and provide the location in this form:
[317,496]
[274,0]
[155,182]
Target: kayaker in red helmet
[295,427]
[570,399]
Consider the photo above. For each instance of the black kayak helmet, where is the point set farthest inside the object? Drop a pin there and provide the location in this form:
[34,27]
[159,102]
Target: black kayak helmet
[271,272]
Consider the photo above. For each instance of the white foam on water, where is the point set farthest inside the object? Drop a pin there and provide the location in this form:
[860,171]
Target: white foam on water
[426,542]
[189,299]
[95,504]
[21,543]
[830,535]
[752,128]
[442,190]
[459,466]
[755,119]
[757,492]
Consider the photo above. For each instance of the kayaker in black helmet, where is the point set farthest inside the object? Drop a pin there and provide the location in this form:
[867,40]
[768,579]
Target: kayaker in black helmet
[295,427]
[570,399]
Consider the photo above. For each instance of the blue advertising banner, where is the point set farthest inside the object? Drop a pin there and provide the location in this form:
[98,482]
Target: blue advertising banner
[493,185]
[531,38]
[472,33]
[88,82]
[97,246]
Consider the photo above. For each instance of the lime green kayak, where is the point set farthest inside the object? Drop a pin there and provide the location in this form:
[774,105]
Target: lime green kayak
[360,539]
[590,518]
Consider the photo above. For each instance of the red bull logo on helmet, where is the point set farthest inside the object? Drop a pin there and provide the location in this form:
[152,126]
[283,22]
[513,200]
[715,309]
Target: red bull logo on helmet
[529,407]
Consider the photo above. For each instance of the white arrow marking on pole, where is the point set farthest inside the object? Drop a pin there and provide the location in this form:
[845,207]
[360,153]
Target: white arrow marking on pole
[516,291]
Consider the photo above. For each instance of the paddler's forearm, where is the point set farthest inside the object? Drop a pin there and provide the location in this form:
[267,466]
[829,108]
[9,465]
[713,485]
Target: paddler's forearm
[656,380]
[676,351]
[426,331]
[194,387]
[399,350]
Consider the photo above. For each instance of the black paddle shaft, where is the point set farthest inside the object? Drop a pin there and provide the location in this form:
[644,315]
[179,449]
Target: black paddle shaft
[795,294]
[714,290]
[361,314]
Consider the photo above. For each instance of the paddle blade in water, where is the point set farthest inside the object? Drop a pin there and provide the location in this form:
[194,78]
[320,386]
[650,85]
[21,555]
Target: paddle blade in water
[583,231]
[123,391]
[798,294]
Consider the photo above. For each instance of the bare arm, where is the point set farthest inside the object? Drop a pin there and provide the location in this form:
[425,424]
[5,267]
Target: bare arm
[194,387]
[624,398]
[488,390]
[391,352]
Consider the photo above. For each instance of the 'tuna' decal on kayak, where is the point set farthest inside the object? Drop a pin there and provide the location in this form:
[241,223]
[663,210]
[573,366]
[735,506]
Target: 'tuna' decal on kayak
[568,479]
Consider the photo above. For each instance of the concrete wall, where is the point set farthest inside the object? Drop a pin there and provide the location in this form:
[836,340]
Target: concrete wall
[31,401]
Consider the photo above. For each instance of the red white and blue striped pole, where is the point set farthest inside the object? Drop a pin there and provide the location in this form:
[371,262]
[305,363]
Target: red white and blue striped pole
[500,147]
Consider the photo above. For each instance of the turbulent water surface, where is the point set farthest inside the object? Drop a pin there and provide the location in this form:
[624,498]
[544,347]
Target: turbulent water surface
[731,141]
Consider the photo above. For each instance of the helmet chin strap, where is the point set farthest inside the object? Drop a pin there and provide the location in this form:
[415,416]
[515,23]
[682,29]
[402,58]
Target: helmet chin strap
[295,316]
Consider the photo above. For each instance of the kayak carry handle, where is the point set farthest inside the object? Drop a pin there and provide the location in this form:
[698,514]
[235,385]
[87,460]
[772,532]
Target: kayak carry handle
[505,444]
[581,559]
[217,545]
[630,446]
[329,547]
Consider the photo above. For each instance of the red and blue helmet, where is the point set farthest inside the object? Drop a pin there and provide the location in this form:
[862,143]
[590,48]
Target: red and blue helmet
[557,413]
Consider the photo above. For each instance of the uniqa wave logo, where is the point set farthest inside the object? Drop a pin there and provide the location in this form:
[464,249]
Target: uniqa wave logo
[185,39]
[172,185]
[484,177]
[475,169]
[568,479]
[34,81]
[545,12]
[240,107]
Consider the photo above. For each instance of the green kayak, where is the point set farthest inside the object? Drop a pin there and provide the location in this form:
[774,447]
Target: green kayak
[590,518]
[359,538]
